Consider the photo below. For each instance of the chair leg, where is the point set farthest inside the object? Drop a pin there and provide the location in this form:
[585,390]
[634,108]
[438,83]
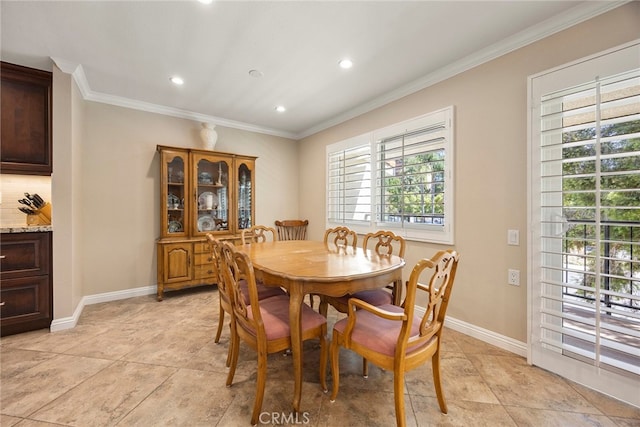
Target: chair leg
[220,324]
[232,338]
[234,350]
[335,368]
[396,293]
[260,384]
[323,307]
[324,350]
[365,368]
[435,364]
[398,395]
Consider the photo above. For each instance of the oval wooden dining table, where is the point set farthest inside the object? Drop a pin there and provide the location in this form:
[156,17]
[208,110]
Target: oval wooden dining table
[305,266]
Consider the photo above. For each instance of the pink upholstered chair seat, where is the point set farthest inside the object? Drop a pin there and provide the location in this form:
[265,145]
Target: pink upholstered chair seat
[375,297]
[263,291]
[376,333]
[275,316]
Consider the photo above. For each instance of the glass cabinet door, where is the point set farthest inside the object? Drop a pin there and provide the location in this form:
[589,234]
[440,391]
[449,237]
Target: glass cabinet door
[211,181]
[174,190]
[245,193]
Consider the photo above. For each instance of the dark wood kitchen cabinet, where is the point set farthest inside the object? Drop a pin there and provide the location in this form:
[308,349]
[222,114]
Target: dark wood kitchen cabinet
[25,110]
[26,287]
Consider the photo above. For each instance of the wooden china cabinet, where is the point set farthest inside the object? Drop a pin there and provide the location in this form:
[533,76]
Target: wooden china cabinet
[200,192]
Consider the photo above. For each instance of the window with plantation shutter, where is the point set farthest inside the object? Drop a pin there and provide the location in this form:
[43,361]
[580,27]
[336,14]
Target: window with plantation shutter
[398,178]
[349,184]
[586,206]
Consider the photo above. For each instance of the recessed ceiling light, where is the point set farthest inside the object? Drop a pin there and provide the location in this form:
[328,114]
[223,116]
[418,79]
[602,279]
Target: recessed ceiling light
[206,1]
[256,73]
[345,63]
[176,80]
[280,109]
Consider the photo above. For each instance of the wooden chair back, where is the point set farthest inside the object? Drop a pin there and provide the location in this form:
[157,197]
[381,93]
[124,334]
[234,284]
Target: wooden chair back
[238,267]
[384,243]
[258,234]
[292,229]
[438,291]
[214,245]
[341,237]
[387,243]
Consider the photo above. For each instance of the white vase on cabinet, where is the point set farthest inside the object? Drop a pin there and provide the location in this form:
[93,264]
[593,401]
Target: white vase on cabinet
[209,136]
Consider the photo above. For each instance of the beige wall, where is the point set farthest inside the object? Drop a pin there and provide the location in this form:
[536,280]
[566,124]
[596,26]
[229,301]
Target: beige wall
[491,165]
[66,194]
[120,209]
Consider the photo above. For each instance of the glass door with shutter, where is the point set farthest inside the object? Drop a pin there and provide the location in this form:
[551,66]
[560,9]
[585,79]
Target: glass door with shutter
[585,299]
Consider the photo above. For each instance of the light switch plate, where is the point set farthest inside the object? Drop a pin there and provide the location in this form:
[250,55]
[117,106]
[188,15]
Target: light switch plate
[513,237]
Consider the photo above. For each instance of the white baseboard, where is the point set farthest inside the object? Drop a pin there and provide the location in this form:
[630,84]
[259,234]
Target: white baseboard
[490,337]
[485,335]
[72,321]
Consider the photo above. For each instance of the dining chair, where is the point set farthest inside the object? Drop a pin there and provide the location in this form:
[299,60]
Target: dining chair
[292,229]
[257,234]
[400,339]
[384,244]
[264,324]
[225,294]
[341,237]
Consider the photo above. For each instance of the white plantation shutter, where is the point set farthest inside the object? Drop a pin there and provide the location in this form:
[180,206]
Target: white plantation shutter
[411,173]
[349,184]
[586,230]
[590,145]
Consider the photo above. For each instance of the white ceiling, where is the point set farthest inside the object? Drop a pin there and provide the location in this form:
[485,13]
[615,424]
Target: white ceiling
[127,51]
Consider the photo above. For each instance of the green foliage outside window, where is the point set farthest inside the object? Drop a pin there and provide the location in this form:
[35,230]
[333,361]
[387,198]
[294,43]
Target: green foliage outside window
[414,186]
[619,207]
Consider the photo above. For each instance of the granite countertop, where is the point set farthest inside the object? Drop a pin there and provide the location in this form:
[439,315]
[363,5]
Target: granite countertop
[26,229]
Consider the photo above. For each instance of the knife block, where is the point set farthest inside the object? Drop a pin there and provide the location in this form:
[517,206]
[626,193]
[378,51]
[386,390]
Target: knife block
[41,217]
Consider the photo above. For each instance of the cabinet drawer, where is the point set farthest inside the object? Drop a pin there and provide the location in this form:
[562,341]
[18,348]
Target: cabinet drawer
[204,267]
[201,248]
[24,254]
[204,272]
[26,304]
[202,259]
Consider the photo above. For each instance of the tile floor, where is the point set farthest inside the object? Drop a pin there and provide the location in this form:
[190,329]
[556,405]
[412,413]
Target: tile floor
[139,362]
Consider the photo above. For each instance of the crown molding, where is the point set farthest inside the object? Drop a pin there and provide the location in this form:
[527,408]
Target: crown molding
[77,72]
[535,33]
[183,114]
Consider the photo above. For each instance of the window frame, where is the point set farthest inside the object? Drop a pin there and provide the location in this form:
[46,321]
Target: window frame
[439,234]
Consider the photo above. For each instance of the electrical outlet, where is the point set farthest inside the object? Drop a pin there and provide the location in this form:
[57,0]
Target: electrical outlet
[514,277]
